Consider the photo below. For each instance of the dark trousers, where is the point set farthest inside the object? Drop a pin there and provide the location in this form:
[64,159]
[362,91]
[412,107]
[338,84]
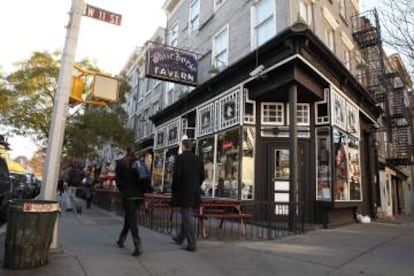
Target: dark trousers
[130,220]
[187,230]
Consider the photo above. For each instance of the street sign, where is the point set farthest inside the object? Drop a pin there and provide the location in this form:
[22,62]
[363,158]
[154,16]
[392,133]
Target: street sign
[103,15]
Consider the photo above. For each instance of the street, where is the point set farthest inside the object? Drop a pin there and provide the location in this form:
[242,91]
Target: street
[88,248]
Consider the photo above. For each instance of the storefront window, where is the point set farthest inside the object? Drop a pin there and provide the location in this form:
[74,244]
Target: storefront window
[227,166]
[347,167]
[354,170]
[206,151]
[341,191]
[323,188]
[157,171]
[169,166]
[247,173]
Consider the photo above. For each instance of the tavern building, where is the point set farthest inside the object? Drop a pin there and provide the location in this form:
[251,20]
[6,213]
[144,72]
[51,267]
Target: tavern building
[277,114]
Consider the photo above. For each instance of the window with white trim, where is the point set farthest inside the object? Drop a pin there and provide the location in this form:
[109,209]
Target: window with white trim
[347,58]
[305,11]
[220,52]
[303,114]
[194,15]
[169,95]
[218,4]
[342,8]
[174,34]
[263,22]
[272,113]
[330,39]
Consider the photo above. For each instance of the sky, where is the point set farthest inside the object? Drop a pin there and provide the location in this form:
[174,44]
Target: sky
[39,25]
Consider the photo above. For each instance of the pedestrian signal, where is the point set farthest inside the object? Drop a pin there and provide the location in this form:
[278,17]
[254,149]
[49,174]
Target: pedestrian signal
[76,90]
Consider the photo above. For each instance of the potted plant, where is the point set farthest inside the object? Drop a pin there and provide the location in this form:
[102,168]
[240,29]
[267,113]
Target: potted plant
[361,65]
[213,70]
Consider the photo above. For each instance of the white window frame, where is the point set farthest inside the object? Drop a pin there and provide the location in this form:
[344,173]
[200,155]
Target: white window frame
[330,39]
[306,106]
[347,58]
[194,16]
[307,8]
[253,25]
[173,37]
[279,122]
[218,5]
[342,8]
[220,64]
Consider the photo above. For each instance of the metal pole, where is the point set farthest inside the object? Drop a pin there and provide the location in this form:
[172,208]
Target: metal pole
[57,126]
[60,108]
[293,157]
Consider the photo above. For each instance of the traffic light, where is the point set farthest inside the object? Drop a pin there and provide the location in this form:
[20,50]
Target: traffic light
[76,90]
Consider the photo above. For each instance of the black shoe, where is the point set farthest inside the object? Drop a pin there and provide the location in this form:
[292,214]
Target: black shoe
[137,251]
[120,244]
[190,248]
[177,240]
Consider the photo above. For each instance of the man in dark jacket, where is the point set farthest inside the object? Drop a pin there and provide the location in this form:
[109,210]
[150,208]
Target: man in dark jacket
[127,181]
[188,176]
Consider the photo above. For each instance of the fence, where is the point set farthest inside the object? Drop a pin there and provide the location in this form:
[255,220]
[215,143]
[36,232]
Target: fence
[263,221]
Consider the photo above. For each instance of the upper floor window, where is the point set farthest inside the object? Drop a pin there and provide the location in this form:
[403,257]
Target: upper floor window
[342,10]
[263,22]
[347,58]
[272,113]
[330,39]
[194,15]
[155,107]
[174,34]
[305,11]
[218,4]
[220,50]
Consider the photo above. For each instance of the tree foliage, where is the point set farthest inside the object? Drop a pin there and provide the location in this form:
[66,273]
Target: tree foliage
[26,105]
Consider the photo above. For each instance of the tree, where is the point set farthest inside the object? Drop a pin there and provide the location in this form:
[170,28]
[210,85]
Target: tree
[397,19]
[29,94]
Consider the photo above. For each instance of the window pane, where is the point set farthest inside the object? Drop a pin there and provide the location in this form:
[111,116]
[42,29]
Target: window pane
[157,171]
[227,167]
[265,31]
[282,164]
[247,173]
[206,152]
[323,188]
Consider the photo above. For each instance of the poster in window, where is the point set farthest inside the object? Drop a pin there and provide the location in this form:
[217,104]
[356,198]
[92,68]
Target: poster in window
[323,165]
[205,120]
[339,110]
[172,134]
[160,138]
[354,174]
[229,110]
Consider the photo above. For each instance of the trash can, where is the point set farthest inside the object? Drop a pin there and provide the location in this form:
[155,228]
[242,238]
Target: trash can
[29,232]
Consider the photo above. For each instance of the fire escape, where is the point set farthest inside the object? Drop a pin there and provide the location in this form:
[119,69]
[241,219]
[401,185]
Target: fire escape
[385,82]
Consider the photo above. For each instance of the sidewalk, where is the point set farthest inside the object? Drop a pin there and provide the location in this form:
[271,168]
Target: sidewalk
[88,248]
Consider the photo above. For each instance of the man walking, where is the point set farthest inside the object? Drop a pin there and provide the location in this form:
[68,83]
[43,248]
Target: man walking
[188,176]
[127,181]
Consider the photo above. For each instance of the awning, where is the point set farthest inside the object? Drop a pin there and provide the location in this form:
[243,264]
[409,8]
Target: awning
[15,167]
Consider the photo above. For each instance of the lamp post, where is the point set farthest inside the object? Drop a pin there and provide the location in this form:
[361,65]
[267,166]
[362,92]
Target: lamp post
[60,108]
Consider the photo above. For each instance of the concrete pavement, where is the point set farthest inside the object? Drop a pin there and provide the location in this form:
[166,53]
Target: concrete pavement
[88,248]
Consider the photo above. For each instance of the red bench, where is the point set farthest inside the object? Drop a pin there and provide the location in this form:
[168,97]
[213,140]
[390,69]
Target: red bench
[222,209]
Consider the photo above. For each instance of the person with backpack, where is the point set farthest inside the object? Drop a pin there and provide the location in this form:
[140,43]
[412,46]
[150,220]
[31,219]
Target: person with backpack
[129,185]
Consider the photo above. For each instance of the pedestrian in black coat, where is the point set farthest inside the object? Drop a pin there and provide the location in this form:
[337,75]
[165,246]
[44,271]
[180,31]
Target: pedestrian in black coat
[188,175]
[127,181]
